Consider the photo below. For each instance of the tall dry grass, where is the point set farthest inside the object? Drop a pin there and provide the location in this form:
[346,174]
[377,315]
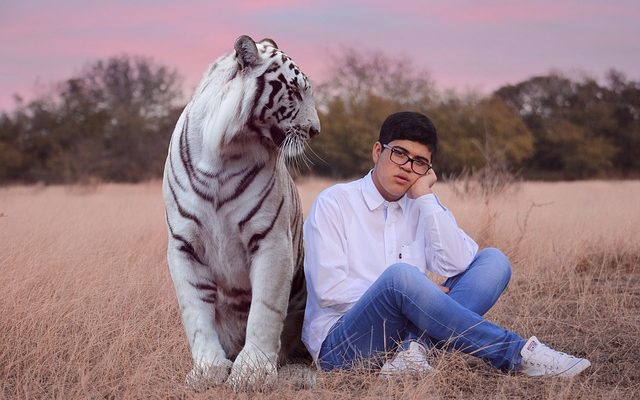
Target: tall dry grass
[88,309]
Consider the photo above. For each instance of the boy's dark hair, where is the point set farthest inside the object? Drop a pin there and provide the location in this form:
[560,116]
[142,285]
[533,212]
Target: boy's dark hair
[409,125]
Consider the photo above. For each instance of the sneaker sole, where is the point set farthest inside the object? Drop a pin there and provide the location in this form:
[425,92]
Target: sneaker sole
[575,369]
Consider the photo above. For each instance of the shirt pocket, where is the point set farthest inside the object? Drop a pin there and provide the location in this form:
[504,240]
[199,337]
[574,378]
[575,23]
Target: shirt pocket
[413,253]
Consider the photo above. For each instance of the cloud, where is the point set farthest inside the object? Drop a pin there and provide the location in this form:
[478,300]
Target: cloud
[463,42]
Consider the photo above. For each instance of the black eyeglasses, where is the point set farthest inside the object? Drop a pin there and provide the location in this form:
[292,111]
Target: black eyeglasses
[418,165]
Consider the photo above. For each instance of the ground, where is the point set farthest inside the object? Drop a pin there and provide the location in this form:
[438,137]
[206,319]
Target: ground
[87,307]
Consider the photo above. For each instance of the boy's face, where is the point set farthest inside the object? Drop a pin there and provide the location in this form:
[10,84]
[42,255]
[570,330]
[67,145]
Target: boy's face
[393,180]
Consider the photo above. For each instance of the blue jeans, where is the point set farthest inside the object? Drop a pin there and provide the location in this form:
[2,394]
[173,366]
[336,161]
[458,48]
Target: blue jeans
[403,305]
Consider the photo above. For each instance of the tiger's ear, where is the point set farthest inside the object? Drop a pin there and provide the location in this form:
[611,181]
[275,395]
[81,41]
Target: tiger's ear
[246,52]
[269,42]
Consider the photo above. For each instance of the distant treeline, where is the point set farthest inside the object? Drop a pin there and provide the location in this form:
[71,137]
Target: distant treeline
[113,122]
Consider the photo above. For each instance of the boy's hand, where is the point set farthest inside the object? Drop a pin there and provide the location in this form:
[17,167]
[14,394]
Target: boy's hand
[423,185]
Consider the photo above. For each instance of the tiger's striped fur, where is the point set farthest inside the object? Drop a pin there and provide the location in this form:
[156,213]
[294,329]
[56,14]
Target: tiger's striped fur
[235,226]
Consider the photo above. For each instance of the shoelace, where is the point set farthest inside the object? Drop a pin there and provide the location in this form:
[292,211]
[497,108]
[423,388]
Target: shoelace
[551,363]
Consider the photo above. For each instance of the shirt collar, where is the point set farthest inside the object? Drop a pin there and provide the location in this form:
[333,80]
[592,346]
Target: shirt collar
[372,196]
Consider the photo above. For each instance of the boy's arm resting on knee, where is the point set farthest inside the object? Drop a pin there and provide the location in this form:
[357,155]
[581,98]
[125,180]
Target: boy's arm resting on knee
[325,263]
[448,249]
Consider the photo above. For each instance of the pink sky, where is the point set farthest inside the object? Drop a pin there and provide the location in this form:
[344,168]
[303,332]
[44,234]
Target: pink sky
[464,44]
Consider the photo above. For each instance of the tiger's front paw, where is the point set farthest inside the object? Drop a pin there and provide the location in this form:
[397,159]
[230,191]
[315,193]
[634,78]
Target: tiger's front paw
[207,375]
[253,370]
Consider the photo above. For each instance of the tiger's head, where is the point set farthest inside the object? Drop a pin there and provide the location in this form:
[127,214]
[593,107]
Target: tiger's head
[281,106]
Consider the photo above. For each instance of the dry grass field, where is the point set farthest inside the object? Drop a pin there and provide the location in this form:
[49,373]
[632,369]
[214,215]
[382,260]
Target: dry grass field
[88,311]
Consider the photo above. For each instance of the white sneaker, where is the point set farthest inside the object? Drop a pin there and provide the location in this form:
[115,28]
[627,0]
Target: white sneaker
[539,359]
[413,360]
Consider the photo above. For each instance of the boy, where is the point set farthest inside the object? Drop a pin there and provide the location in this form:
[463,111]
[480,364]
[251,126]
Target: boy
[368,245]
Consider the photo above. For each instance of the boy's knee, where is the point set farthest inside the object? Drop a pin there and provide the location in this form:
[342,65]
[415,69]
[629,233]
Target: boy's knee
[498,261]
[402,273]
[401,270]
[408,281]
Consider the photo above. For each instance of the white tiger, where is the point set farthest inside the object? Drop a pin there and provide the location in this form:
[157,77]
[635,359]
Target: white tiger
[233,215]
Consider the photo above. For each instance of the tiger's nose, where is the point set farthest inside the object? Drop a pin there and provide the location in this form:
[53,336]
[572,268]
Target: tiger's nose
[313,132]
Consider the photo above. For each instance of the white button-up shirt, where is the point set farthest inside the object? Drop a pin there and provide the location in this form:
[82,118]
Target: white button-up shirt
[352,234]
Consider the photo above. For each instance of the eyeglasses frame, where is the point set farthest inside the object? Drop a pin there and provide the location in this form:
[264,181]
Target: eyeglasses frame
[393,149]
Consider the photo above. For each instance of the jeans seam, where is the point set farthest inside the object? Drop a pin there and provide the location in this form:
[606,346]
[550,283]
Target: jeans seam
[434,319]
